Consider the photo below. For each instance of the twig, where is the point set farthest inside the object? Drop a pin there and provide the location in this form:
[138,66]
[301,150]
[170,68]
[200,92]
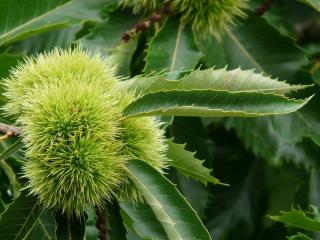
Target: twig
[143,26]
[9,131]
[265,5]
[101,223]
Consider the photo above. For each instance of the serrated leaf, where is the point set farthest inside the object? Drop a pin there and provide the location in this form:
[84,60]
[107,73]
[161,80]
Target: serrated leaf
[19,218]
[172,48]
[198,140]
[211,103]
[140,219]
[186,163]
[71,228]
[249,45]
[173,212]
[236,80]
[18,20]
[298,219]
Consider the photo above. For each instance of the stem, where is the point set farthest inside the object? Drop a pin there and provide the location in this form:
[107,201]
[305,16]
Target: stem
[143,26]
[9,130]
[265,5]
[102,223]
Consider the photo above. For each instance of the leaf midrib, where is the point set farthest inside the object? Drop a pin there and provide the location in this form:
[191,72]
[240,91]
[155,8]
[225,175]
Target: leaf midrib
[25,222]
[189,171]
[145,189]
[44,228]
[176,47]
[244,50]
[13,30]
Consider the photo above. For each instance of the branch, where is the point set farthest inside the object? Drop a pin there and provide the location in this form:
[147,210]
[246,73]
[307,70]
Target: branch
[265,5]
[143,26]
[101,223]
[9,130]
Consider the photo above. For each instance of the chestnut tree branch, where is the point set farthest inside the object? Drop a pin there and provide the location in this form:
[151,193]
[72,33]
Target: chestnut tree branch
[102,223]
[9,130]
[143,26]
[265,5]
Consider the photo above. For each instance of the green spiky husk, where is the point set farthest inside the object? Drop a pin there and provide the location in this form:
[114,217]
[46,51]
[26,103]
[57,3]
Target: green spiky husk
[69,117]
[207,17]
[142,139]
[210,17]
[58,66]
[70,111]
[70,135]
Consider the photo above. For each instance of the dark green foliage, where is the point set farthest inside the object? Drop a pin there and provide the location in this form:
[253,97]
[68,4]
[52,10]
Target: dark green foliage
[239,86]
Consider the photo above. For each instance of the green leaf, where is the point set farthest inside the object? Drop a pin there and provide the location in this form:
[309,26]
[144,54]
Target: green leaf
[11,149]
[20,218]
[140,219]
[212,103]
[18,20]
[298,219]
[44,228]
[116,226]
[176,216]
[106,37]
[69,227]
[3,205]
[300,236]
[12,178]
[172,48]
[185,162]
[233,211]
[249,45]
[265,140]
[17,17]
[232,93]
[107,34]
[198,140]
[91,229]
[196,194]
[44,42]
[122,55]
[7,61]
[236,80]
[312,3]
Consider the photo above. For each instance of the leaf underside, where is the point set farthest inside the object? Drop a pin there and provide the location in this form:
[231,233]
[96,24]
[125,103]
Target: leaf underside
[177,217]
